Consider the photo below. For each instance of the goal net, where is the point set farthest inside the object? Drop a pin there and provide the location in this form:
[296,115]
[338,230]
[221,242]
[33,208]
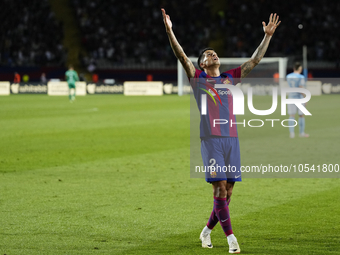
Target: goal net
[265,69]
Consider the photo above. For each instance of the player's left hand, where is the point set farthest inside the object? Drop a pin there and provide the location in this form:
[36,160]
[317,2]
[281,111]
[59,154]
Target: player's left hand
[272,24]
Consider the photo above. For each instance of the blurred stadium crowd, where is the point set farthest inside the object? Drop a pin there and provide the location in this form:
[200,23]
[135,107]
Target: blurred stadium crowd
[126,32]
[30,34]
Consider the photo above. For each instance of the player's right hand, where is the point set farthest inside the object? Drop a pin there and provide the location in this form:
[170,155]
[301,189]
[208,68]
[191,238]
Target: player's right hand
[167,21]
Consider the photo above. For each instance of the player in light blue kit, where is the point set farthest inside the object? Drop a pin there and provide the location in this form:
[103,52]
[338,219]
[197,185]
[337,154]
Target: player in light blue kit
[296,80]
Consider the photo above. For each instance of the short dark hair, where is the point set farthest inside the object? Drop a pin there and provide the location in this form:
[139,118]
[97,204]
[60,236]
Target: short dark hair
[201,55]
[297,65]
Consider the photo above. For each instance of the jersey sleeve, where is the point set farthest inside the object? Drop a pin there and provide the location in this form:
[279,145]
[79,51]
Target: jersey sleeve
[236,74]
[194,80]
[197,73]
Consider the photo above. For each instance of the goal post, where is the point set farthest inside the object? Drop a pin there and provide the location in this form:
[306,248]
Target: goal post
[265,69]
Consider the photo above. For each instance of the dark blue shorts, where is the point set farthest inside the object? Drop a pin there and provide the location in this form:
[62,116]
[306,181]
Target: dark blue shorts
[221,159]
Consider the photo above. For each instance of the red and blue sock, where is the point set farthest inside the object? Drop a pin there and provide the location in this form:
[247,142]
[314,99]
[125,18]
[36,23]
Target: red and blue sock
[221,214]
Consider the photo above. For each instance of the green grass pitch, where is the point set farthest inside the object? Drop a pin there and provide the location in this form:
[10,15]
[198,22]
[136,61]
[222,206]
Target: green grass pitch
[110,175]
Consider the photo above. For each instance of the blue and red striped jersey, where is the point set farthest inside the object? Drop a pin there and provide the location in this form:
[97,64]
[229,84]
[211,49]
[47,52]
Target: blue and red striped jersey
[222,109]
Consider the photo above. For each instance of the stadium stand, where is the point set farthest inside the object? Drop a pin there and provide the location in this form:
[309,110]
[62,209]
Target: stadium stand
[31,35]
[125,34]
[129,34]
[133,34]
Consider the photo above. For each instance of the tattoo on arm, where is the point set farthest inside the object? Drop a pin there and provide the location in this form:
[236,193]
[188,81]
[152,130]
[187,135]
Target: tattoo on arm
[256,57]
[182,57]
[246,68]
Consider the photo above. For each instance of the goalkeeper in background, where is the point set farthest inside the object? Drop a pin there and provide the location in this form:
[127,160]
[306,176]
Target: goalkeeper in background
[71,77]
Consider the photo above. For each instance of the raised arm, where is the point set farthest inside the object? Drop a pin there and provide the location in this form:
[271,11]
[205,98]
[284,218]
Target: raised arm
[261,50]
[176,47]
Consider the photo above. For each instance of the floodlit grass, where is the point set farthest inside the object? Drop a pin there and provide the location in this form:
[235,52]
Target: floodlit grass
[110,175]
